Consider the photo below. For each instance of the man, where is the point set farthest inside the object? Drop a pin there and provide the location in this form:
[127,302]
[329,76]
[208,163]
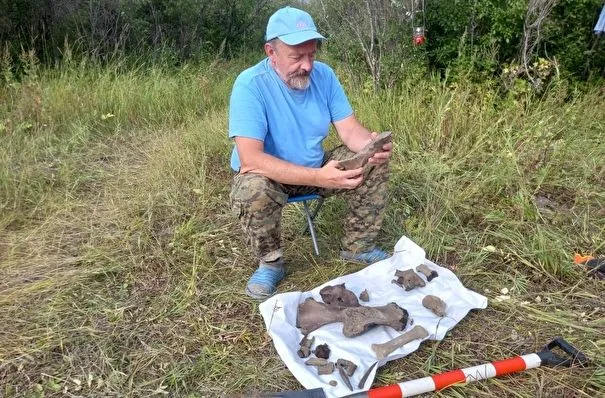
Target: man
[280,112]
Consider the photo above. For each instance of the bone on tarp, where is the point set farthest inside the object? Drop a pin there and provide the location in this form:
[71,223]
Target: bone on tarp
[356,320]
[408,279]
[322,351]
[346,369]
[384,349]
[324,367]
[435,304]
[364,296]
[338,296]
[426,271]
[305,346]
[362,157]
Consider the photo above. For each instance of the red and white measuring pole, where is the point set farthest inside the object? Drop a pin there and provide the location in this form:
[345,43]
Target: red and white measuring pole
[480,372]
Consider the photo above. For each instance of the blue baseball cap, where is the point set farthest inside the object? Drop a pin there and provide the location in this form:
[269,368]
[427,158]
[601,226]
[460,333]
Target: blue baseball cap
[292,26]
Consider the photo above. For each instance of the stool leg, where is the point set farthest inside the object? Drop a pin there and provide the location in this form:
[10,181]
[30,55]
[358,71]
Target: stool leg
[315,211]
[311,229]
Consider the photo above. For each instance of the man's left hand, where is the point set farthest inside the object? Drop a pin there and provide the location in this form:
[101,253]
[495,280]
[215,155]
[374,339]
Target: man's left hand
[381,157]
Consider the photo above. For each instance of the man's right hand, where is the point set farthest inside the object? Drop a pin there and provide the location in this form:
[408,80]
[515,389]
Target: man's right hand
[330,176]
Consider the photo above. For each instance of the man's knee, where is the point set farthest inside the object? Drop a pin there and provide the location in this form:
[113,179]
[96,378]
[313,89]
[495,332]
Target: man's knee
[256,194]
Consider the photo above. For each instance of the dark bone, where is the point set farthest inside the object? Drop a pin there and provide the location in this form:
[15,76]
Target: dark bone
[357,320]
[426,271]
[362,157]
[322,351]
[338,296]
[384,349]
[362,382]
[408,279]
[305,346]
[364,296]
[435,304]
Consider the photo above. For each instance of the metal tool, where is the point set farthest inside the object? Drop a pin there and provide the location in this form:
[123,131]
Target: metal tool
[461,376]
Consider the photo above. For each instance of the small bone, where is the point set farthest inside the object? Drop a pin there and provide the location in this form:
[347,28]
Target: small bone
[435,304]
[316,362]
[324,367]
[322,351]
[362,157]
[408,279]
[384,349]
[333,383]
[338,296]
[364,296]
[356,320]
[426,271]
[348,366]
[362,382]
[305,346]
[345,378]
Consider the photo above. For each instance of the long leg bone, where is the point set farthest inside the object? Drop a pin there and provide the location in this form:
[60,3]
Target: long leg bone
[426,271]
[313,315]
[384,349]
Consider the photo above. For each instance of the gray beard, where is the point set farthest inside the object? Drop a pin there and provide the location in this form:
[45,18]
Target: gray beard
[299,82]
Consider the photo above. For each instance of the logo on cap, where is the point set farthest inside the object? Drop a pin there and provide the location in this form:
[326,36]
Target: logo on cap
[301,25]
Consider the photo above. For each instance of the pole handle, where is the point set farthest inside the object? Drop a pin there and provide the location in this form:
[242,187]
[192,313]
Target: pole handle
[574,356]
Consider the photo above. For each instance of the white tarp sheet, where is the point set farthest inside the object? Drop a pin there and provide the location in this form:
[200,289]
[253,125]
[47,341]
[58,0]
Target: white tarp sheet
[279,313]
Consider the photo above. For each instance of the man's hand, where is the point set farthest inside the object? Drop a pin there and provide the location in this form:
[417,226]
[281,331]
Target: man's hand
[330,176]
[381,157]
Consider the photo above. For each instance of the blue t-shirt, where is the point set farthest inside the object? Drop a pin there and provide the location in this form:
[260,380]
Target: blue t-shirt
[291,123]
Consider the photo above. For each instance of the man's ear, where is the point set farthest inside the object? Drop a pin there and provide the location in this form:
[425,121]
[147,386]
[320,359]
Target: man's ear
[269,50]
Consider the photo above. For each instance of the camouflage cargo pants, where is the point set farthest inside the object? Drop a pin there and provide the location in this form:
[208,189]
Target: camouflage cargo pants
[258,202]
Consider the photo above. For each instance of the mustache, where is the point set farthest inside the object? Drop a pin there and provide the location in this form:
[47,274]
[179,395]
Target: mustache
[302,73]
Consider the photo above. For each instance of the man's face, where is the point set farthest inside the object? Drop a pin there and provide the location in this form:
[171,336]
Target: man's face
[293,63]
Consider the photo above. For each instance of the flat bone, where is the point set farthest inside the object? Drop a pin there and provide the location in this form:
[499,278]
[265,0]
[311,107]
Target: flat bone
[384,349]
[362,157]
[426,271]
[323,366]
[338,296]
[435,304]
[408,279]
[356,320]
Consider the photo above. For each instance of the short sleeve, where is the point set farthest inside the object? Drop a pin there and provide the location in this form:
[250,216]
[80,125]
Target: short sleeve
[247,116]
[338,102]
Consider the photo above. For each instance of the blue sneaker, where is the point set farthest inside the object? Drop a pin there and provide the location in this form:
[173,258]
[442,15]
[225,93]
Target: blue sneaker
[264,280]
[370,257]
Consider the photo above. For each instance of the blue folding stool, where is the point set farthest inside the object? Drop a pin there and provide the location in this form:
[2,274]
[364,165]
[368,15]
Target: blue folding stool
[309,214]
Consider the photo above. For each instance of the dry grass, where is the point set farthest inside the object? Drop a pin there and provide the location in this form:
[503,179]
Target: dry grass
[122,270]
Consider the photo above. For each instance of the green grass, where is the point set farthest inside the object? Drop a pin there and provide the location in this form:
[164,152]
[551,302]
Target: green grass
[122,270]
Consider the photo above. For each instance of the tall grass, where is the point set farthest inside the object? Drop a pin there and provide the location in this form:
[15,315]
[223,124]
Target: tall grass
[122,268]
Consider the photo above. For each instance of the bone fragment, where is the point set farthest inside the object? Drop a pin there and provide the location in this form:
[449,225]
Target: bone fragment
[305,346]
[435,304]
[426,271]
[364,296]
[384,349]
[322,351]
[324,367]
[356,320]
[362,157]
[362,382]
[348,366]
[338,296]
[333,383]
[316,362]
[408,279]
